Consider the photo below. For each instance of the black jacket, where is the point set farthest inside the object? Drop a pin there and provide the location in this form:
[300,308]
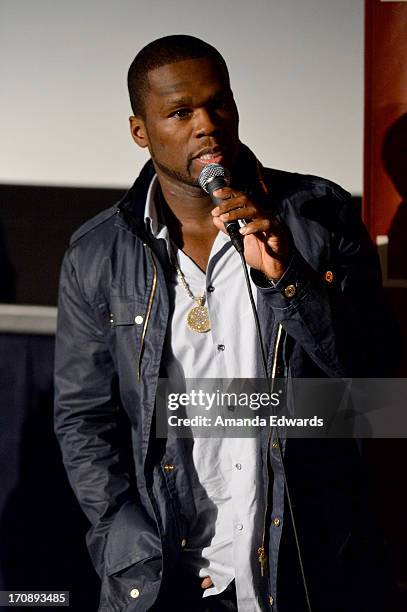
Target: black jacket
[112,321]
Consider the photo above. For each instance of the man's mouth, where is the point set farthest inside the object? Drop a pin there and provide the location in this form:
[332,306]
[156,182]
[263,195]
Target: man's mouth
[209,157]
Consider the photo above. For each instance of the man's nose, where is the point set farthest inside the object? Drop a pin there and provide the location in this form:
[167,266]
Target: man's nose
[206,123]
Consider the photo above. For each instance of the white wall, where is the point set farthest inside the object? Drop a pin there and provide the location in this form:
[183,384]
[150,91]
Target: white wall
[296,68]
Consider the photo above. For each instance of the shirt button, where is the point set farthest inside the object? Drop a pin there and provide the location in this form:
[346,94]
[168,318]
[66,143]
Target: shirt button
[271,600]
[238,466]
[275,445]
[183,542]
[134,593]
[239,526]
[168,467]
[221,347]
[138,320]
[211,289]
[276,522]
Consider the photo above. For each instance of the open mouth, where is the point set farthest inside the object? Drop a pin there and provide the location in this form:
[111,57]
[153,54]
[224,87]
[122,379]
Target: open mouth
[209,158]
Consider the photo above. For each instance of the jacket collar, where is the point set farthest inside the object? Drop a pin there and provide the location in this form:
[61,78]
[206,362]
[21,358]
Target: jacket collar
[131,207]
[247,176]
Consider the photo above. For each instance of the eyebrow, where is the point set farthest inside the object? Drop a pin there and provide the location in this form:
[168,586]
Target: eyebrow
[166,90]
[187,101]
[183,101]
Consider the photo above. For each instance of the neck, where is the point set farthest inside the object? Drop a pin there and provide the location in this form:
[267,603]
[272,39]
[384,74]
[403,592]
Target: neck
[189,204]
[187,214]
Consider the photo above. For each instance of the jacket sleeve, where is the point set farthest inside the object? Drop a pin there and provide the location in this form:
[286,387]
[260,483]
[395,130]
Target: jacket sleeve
[338,314]
[88,418]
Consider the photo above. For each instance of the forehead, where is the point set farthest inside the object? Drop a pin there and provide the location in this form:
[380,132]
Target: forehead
[187,78]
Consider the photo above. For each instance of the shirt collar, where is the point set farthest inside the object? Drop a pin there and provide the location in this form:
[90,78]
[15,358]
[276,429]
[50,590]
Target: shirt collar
[158,228]
[150,209]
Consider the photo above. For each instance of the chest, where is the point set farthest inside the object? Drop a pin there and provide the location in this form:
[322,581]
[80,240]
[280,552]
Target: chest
[197,244]
[229,347]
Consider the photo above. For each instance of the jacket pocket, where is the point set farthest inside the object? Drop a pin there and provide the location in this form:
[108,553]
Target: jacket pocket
[133,562]
[124,319]
[127,310]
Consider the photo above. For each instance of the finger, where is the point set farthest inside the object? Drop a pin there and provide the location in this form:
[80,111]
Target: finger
[219,224]
[225,193]
[229,203]
[206,582]
[232,204]
[257,225]
[244,213]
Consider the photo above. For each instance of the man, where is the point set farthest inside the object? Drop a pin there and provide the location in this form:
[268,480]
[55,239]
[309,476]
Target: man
[202,524]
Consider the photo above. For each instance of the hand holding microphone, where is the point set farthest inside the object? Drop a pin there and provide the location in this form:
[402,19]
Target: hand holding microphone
[266,243]
[214,178]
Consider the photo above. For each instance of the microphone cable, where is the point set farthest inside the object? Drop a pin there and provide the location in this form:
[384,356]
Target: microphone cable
[270,386]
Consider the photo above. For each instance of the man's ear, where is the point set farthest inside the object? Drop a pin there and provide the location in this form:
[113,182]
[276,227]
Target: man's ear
[138,131]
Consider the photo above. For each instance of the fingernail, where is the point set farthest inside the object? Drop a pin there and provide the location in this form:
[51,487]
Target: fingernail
[243,230]
[224,217]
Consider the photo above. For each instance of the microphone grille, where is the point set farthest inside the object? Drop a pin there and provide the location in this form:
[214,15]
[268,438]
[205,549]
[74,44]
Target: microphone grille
[211,171]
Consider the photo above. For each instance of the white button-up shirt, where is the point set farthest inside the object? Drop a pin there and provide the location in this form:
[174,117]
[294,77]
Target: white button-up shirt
[227,468]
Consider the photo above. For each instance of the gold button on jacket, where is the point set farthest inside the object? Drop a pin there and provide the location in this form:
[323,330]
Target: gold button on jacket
[289,291]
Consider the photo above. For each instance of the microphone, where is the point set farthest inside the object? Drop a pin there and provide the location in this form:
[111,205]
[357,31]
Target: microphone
[211,178]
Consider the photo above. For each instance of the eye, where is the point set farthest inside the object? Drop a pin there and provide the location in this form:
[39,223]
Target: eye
[222,103]
[181,113]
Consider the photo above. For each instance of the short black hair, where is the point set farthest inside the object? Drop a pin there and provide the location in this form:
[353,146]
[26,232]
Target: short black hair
[160,52]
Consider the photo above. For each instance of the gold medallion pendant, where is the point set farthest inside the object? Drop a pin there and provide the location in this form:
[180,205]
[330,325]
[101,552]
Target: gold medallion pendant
[198,317]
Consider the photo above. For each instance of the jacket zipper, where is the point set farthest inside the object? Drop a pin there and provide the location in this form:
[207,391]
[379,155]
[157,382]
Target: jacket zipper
[150,303]
[261,551]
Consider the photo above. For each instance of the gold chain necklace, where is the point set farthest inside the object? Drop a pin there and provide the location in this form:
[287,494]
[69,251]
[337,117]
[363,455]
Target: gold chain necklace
[198,317]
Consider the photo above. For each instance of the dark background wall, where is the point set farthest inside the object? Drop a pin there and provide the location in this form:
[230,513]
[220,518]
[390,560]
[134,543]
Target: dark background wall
[35,226]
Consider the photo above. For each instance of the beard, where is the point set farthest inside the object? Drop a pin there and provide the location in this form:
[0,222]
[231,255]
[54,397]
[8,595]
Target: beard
[187,179]
[181,177]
